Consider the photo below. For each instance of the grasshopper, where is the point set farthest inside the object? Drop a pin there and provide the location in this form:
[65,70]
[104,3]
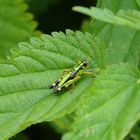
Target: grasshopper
[68,79]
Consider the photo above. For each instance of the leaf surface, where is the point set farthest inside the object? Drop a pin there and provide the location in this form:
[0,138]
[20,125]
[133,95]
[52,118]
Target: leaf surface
[112,105]
[16,25]
[127,18]
[24,95]
[122,43]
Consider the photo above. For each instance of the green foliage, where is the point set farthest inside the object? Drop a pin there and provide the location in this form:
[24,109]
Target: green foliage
[127,18]
[122,43]
[86,25]
[25,98]
[104,116]
[15,25]
[102,108]
[112,105]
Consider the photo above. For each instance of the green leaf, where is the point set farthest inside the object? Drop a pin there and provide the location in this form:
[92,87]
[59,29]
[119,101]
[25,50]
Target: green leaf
[16,25]
[100,53]
[127,18]
[24,95]
[122,43]
[112,105]
[85,26]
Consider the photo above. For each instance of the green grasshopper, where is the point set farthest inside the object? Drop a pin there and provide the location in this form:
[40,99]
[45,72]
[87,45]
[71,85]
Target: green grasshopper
[68,79]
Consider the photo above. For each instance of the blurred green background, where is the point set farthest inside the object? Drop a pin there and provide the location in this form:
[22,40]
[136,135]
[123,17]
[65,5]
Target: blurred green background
[52,15]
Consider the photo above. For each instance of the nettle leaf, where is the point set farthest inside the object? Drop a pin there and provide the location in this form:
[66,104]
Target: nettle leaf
[127,18]
[24,95]
[16,25]
[122,43]
[112,105]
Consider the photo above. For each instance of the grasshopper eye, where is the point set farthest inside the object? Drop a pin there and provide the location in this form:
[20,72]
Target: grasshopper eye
[85,64]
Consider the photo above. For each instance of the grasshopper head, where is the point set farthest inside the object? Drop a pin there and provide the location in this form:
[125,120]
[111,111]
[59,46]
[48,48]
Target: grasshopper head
[84,62]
